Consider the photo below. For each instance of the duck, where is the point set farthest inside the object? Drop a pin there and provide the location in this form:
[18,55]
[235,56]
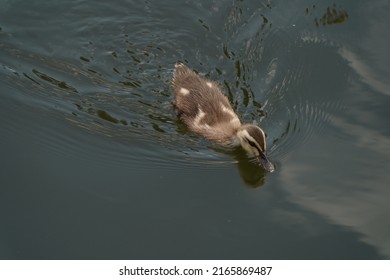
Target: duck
[205,110]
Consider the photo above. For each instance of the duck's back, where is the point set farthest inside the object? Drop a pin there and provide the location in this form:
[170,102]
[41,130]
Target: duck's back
[201,104]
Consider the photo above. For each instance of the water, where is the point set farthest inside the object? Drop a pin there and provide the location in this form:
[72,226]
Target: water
[96,165]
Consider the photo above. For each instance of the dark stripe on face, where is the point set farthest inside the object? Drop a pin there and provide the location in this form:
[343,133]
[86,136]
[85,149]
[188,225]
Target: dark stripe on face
[253,144]
[256,133]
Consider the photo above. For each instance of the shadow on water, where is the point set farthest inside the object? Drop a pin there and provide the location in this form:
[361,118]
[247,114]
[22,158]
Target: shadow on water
[252,174]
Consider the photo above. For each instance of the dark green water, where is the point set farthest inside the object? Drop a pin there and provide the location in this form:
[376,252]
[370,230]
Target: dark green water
[94,163]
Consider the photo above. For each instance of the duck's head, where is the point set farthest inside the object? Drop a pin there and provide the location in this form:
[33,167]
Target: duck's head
[252,139]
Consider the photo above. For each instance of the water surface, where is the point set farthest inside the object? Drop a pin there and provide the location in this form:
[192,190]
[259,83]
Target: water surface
[95,164]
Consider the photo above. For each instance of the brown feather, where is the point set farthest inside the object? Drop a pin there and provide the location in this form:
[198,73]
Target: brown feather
[210,99]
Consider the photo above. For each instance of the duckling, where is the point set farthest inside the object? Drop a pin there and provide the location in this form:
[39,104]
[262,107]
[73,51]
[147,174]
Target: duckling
[205,110]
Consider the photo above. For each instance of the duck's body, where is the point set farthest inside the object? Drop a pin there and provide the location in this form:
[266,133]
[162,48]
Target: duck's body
[203,107]
[206,110]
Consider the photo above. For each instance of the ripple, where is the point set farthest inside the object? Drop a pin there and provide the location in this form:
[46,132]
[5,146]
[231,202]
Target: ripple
[296,105]
[118,91]
[150,150]
[304,119]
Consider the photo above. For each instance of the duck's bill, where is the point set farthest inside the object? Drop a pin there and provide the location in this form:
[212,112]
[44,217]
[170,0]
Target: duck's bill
[265,163]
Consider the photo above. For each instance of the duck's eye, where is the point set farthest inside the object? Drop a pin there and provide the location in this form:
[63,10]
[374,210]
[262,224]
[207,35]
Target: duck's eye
[251,143]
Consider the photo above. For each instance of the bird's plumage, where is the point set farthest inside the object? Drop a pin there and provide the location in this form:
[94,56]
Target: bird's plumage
[205,110]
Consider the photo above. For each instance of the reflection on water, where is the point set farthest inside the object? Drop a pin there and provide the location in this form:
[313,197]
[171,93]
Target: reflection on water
[88,90]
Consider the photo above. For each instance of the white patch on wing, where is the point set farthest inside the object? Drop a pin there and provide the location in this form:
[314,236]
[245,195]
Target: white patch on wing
[184,91]
[228,110]
[210,85]
[198,118]
[235,121]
